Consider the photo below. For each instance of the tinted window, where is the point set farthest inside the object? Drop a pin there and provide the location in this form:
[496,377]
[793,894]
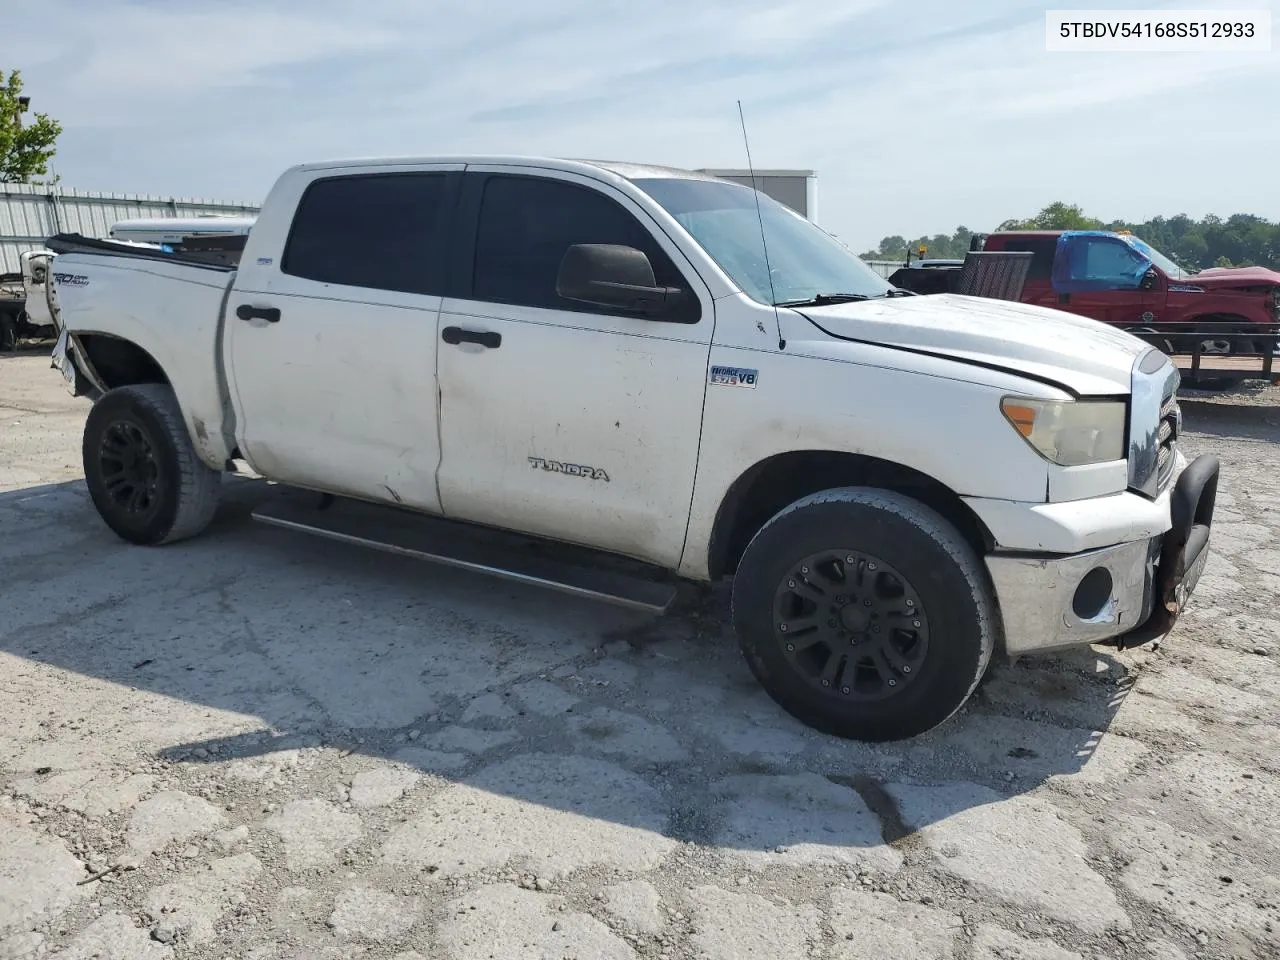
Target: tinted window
[1041,249]
[527,224]
[366,231]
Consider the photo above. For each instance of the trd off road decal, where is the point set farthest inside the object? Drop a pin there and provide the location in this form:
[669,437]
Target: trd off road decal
[734,377]
[70,280]
[570,469]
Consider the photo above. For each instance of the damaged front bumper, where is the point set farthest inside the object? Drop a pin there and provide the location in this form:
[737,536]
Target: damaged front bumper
[1126,595]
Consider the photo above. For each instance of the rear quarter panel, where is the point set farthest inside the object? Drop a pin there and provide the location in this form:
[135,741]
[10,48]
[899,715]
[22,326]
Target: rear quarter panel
[172,311]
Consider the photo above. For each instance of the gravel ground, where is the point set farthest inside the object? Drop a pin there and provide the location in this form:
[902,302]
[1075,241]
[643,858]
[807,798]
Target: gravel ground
[260,745]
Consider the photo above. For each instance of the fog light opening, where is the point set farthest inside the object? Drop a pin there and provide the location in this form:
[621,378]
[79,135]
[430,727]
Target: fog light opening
[1092,594]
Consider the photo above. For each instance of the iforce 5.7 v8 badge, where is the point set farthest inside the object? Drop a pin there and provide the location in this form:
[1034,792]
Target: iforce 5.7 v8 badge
[734,377]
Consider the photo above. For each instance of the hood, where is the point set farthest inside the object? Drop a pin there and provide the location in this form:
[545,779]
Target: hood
[1218,278]
[1083,356]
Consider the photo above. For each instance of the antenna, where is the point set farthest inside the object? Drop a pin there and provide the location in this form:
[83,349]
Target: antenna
[773,297]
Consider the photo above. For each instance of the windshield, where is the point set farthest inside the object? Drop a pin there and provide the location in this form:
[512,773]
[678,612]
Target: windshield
[1171,269]
[805,260]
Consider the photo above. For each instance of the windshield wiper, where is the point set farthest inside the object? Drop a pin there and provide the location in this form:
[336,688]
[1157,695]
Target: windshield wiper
[899,292]
[823,299]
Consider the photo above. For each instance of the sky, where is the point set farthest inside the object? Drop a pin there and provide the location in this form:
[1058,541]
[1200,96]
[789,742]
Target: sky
[917,116]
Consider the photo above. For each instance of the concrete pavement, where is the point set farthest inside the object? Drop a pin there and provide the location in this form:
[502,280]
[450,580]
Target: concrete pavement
[260,745]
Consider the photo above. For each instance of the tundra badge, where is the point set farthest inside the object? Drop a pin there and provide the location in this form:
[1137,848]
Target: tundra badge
[571,469]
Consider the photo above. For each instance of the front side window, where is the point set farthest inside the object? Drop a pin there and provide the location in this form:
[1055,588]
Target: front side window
[803,260]
[1097,262]
[528,223]
[1111,261]
[373,230]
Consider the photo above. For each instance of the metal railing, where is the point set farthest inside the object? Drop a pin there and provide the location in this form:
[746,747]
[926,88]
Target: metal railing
[1234,351]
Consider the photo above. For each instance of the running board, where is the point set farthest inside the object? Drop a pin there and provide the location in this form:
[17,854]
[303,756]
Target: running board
[458,545]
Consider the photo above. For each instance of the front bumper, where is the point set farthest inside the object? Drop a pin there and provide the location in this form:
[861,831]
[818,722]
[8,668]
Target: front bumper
[1126,594]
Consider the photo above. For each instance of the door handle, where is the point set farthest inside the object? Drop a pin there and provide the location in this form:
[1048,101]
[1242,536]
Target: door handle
[456,335]
[249,312]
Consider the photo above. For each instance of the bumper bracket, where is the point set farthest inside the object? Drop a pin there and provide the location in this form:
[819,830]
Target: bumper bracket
[1183,552]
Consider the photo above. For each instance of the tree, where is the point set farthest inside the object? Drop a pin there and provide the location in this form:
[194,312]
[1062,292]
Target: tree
[1056,216]
[25,148]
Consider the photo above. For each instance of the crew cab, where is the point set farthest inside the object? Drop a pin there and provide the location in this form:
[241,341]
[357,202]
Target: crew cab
[1119,279]
[443,355]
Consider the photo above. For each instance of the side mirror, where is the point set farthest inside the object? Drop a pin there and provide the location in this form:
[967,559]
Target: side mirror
[613,275]
[1149,279]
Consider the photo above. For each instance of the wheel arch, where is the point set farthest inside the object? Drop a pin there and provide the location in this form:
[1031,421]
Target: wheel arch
[114,361]
[107,361]
[766,487]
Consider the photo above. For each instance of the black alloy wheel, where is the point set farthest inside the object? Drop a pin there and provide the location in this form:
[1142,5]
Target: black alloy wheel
[130,470]
[851,625]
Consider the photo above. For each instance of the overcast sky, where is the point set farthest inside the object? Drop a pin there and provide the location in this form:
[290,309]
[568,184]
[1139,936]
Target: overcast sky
[917,116]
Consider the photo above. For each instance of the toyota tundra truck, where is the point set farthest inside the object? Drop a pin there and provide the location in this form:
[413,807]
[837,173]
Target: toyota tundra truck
[669,378]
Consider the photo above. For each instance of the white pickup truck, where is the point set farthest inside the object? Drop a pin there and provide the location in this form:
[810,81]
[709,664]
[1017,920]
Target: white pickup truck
[652,364]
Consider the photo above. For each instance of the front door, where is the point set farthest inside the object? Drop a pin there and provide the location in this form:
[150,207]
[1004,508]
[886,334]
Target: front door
[331,347]
[1100,276]
[557,418]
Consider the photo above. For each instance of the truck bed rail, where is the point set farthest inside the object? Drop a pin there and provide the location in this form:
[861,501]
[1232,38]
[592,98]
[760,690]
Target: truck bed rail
[76,243]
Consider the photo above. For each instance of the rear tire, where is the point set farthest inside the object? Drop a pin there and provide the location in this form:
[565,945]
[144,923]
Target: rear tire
[143,474]
[875,594]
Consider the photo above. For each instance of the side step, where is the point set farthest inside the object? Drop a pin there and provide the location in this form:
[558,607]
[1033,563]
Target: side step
[478,549]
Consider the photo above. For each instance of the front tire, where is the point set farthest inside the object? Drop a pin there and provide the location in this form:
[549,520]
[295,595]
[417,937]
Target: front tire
[143,474]
[864,614]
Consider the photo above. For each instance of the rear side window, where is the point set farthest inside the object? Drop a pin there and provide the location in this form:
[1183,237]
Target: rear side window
[1041,249]
[371,230]
[527,224]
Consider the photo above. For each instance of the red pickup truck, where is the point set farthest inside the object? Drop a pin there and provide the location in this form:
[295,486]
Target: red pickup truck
[1119,279]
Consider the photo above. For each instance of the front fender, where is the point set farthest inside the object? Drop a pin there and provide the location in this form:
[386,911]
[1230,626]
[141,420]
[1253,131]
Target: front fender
[949,430]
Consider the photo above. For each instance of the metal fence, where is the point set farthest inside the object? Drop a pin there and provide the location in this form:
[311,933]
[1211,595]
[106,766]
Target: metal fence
[884,268]
[31,214]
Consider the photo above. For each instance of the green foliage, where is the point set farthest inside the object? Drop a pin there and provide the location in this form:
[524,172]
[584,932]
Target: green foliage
[940,246]
[27,142]
[1056,216]
[1240,240]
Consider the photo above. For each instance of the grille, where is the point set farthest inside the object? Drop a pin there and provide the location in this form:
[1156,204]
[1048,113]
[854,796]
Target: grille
[1166,435]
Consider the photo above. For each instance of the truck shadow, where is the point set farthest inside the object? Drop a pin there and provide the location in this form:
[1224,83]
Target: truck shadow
[250,647]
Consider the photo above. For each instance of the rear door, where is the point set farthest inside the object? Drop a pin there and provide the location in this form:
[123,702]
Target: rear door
[562,419]
[331,334]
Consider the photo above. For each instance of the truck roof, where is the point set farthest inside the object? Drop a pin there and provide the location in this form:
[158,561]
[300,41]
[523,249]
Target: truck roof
[1028,233]
[625,169]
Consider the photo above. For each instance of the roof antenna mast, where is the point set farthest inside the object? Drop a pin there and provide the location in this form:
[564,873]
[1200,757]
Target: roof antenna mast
[773,297]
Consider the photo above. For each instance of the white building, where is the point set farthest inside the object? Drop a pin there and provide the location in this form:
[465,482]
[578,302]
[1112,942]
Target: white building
[796,189]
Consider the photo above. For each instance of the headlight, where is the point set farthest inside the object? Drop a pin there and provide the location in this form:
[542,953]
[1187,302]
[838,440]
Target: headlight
[1069,432]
